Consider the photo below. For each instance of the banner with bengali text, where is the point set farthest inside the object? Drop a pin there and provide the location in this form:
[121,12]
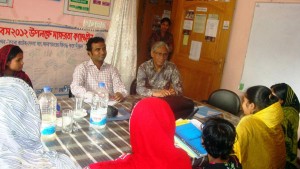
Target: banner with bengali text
[51,52]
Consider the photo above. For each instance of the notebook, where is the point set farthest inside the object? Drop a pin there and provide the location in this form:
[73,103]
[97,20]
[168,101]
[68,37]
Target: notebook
[205,112]
[188,137]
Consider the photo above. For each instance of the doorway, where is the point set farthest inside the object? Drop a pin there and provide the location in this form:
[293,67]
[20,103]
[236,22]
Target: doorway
[150,12]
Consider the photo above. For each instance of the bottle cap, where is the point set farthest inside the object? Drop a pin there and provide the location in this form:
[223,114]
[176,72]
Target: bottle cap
[58,107]
[101,84]
[47,89]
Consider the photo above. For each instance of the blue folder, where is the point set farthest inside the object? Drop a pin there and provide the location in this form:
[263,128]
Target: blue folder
[206,112]
[191,135]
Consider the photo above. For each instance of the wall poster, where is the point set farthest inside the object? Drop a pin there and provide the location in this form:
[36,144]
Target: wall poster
[7,3]
[101,9]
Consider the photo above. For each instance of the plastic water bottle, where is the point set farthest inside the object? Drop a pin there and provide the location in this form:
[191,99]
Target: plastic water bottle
[99,107]
[48,103]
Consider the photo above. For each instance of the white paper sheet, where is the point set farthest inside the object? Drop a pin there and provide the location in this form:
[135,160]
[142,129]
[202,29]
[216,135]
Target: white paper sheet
[188,25]
[195,50]
[211,27]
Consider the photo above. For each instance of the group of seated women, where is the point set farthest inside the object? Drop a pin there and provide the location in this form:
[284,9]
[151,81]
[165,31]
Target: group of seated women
[266,136]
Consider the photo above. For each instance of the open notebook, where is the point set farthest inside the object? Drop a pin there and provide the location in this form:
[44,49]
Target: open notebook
[188,137]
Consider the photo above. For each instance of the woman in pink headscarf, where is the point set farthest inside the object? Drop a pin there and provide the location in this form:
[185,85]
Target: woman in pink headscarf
[152,129]
[11,63]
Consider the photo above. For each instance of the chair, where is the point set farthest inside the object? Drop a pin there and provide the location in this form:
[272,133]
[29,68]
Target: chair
[226,100]
[70,93]
[181,106]
[133,87]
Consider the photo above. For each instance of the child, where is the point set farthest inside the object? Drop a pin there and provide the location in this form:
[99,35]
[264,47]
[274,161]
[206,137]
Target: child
[218,139]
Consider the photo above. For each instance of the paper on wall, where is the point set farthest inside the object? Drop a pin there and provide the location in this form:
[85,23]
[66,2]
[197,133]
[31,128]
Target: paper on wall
[195,50]
[211,27]
[188,24]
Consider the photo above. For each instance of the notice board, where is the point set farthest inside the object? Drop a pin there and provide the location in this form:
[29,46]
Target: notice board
[273,54]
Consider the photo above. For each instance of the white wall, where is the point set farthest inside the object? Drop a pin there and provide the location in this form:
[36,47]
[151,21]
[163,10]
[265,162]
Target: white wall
[239,42]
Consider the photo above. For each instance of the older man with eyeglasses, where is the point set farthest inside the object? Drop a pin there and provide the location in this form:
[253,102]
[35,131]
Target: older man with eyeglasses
[158,77]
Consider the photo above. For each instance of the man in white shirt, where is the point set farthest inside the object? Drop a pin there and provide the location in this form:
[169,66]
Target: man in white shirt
[88,74]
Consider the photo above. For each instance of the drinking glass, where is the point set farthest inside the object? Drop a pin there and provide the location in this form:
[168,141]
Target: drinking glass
[78,105]
[67,121]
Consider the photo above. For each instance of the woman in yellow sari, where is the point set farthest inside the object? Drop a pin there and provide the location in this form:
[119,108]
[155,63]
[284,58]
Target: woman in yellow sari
[260,138]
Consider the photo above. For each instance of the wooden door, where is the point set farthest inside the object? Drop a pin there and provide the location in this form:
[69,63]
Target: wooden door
[205,23]
[150,13]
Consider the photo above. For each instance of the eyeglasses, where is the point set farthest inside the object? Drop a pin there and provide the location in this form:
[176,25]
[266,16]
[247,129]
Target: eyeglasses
[161,54]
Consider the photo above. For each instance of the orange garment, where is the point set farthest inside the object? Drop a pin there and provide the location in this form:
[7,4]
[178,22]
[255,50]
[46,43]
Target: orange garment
[152,129]
[260,139]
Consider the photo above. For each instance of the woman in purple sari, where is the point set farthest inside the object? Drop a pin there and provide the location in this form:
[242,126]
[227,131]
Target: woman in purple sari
[11,63]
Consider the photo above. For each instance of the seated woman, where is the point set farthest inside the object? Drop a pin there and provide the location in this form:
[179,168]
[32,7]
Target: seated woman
[290,105]
[152,129]
[218,139]
[20,123]
[260,138]
[11,63]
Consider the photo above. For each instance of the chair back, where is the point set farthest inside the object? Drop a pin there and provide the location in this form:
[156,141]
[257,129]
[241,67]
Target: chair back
[181,106]
[133,87]
[70,93]
[226,100]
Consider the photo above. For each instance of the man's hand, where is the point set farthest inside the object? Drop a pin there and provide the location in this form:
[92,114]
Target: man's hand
[118,97]
[163,93]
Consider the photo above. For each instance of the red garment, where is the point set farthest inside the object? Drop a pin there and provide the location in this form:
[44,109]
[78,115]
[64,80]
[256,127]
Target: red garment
[152,129]
[4,51]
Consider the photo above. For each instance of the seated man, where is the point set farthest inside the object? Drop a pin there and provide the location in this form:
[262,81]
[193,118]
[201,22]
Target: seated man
[88,74]
[158,77]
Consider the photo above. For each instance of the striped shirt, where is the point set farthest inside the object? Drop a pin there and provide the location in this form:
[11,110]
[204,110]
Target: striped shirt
[87,76]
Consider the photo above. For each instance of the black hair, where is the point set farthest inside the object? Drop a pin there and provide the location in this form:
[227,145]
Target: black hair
[280,90]
[166,20]
[218,137]
[13,53]
[93,40]
[261,96]
[284,92]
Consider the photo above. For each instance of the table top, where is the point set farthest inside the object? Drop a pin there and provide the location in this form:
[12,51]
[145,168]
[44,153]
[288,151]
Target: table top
[226,115]
[88,145]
